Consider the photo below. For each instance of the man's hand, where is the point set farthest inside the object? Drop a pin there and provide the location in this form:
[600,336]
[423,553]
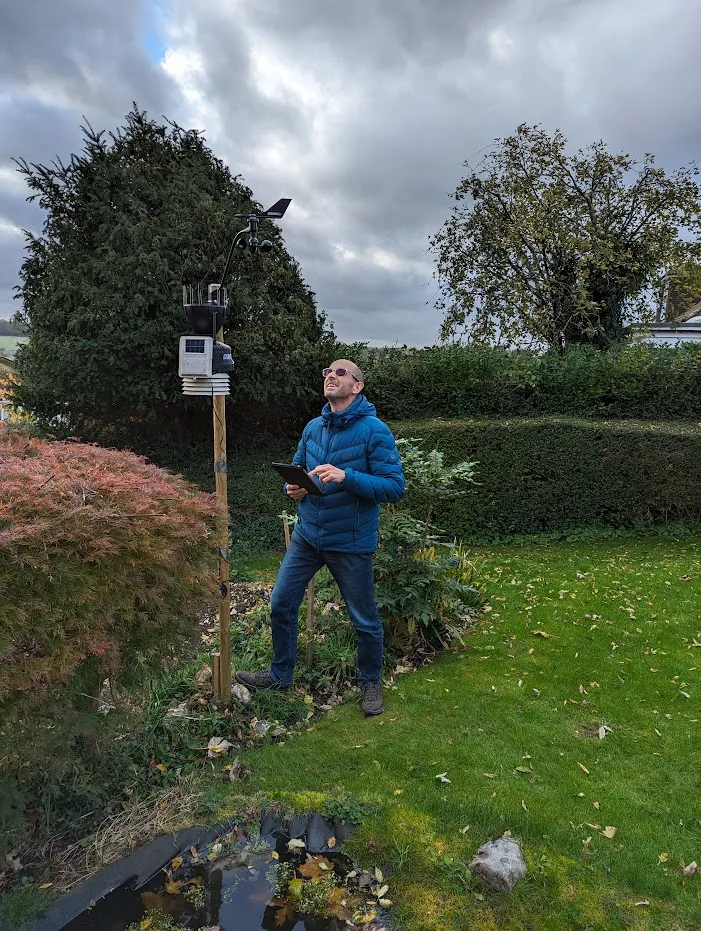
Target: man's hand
[296,492]
[329,473]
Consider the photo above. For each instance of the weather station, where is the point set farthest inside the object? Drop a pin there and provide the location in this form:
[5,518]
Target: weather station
[205,362]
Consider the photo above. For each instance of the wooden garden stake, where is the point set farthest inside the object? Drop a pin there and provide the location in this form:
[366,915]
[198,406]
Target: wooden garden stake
[286,529]
[310,625]
[216,673]
[310,600]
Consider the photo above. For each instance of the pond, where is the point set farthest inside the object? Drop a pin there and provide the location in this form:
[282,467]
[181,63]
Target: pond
[287,876]
[232,897]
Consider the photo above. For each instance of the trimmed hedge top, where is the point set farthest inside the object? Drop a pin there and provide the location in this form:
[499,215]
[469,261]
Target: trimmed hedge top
[637,382]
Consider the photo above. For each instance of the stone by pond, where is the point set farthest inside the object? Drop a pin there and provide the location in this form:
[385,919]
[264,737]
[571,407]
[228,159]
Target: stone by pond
[290,875]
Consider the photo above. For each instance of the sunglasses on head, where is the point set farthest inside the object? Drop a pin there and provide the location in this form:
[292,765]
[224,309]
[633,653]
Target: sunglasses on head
[339,372]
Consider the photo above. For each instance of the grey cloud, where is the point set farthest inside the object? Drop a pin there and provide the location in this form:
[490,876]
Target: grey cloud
[366,113]
[61,62]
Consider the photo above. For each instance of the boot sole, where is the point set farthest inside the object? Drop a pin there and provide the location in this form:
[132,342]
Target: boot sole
[373,714]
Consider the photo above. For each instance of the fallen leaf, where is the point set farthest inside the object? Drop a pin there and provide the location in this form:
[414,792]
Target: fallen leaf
[398,791]
[687,870]
[663,857]
[285,913]
[596,805]
[523,805]
[275,855]
[177,863]
[385,903]
[443,778]
[524,769]
[315,868]
[490,775]
[296,886]
[602,732]
[583,768]
[609,832]
[217,746]
[378,874]
[642,902]
[331,842]
[541,633]
[49,885]
[296,844]
[383,890]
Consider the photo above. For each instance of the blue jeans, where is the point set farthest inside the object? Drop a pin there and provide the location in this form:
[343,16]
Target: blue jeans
[353,574]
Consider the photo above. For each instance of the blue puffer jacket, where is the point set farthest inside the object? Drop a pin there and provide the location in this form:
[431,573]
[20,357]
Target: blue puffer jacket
[345,517]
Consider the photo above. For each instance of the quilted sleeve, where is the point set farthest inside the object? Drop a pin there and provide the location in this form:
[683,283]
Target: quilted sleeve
[385,481]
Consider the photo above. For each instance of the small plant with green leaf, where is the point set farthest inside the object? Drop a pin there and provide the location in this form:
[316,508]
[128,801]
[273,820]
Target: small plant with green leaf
[426,584]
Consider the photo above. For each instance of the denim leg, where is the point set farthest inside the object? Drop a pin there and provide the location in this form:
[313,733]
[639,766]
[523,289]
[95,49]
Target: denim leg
[299,565]
[353,574]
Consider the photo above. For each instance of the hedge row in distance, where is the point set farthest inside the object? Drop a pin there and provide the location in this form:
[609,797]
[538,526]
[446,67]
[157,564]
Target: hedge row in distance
[637,382]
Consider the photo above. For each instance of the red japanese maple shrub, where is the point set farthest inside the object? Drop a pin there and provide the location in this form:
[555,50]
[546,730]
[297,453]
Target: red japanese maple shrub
[104,559]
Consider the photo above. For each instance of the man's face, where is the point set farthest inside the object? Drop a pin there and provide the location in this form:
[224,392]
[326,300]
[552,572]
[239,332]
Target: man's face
[341,387]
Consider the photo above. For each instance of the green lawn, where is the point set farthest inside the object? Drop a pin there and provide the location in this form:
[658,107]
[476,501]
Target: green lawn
[579,637]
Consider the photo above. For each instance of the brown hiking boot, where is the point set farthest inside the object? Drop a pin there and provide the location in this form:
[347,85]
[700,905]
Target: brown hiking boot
[259,680]
[372,702]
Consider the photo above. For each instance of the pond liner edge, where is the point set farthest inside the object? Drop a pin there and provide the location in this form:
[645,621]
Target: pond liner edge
[139,867]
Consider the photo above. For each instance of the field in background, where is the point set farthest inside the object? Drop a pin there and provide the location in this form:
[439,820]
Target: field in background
[9,344]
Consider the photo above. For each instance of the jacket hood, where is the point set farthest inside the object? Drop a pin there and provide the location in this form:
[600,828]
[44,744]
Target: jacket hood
[361,407]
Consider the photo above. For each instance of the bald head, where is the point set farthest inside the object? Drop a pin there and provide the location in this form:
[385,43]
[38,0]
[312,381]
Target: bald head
[342,390]
[351,366]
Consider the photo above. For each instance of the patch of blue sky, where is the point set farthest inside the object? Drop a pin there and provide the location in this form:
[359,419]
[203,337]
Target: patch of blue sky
[152,32]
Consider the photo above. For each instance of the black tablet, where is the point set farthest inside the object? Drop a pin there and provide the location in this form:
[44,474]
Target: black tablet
[295,475]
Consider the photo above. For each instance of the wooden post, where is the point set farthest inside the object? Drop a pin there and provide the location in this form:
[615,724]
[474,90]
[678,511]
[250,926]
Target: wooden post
[310,600]
[310,625]
[216,673]
[222,687]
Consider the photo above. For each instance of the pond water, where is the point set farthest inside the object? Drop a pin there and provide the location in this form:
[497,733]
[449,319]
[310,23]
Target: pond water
[230,894]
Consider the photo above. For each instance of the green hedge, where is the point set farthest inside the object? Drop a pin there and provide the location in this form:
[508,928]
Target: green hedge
[554,474]
[537,475]
[637,382]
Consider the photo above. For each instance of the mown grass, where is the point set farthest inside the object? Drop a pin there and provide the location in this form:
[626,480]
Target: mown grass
[579,636]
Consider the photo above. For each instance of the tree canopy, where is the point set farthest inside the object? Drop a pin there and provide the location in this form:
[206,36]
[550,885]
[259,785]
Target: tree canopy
[137,214]
[554,248]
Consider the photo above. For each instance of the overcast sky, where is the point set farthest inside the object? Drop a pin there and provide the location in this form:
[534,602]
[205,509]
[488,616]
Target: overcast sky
[362,111]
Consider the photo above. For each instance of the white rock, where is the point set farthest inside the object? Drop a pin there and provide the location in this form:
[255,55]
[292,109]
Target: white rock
[500,864]
[241,693]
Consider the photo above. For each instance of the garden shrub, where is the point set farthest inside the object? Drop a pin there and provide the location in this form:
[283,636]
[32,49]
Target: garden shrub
[554,474]
[104,562]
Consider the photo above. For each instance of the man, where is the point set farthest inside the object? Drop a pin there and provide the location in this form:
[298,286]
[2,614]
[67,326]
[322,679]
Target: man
[353,457]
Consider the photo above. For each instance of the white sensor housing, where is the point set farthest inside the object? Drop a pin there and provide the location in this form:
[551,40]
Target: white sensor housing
[195,355]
